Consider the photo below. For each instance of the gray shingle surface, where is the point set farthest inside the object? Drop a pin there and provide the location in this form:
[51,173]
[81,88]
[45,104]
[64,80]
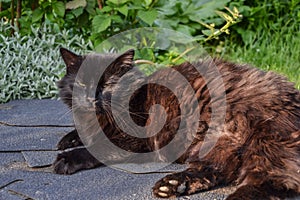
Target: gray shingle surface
[24,152]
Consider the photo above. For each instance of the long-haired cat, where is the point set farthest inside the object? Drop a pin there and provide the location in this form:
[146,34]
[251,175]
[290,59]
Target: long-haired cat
[258,146]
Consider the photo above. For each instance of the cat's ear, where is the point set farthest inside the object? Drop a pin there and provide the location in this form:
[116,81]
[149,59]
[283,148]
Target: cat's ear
[72,60]
[126,58]
[122,64]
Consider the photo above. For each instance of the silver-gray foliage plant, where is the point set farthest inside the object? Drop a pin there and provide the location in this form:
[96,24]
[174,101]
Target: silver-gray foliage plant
[31,65]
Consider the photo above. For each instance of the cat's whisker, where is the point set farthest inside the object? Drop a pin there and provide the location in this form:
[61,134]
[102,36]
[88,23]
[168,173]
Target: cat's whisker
[132,113]
[89,127]
[120,121]
[66,113]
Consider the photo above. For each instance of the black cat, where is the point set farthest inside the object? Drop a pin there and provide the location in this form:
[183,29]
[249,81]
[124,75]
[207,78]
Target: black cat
[259,143]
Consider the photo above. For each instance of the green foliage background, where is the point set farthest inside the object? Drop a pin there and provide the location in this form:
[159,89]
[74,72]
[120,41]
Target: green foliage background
[268,36]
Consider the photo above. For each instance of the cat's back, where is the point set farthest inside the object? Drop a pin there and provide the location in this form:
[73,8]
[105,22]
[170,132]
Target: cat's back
[250,92]
[266,98]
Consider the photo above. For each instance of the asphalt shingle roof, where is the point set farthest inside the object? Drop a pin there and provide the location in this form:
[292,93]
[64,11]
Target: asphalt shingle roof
[27,152]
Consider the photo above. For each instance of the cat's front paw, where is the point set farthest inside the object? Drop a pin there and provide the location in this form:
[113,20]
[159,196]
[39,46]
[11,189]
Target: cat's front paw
[183,183]
[65,163]
[70,162]
[70,140]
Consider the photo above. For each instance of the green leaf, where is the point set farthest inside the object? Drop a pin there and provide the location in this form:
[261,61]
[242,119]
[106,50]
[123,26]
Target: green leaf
[37,15]
[101,23]
[205,9]
[148,2]
[117,18]
[4,13]
[69,16]
[147,16]
[105,9]
[167,23]
[147,54]
[118,2]
[59,8]
[207,32]
[49,16]
[90,7]
[45,5]
[185,29]
[77,12]
[123,10]
[83,19]
[169,8]
[76,4]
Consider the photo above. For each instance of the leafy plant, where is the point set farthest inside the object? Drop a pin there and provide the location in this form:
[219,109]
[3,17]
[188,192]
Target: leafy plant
[31,63]
[30,66]
[98,20]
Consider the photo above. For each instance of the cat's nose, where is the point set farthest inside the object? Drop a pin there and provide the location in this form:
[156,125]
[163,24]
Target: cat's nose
[91,101]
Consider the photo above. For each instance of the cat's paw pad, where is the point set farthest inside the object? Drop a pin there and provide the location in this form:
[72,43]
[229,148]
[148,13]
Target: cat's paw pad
[170,186]
[183,183]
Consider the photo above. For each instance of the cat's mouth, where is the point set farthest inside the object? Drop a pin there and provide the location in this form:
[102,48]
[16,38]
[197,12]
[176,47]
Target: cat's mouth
[92,107]
[85,109]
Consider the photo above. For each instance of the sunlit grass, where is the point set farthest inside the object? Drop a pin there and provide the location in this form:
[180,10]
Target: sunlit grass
[278,51]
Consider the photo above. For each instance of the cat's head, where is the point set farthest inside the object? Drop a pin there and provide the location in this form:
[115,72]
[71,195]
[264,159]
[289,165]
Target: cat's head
[99,76]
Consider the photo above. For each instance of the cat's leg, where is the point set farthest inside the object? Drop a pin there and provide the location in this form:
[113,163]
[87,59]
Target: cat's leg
[70,140]
[218,167]
[69,162]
